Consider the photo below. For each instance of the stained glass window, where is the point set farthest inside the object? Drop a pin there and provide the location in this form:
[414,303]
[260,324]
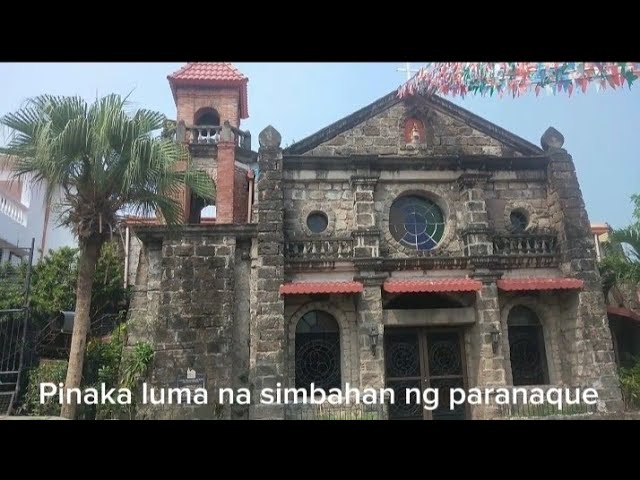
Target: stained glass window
[416,222]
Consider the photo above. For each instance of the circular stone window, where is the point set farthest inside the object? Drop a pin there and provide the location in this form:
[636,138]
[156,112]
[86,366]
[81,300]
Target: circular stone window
[416,222]
[519,221]
[317,222]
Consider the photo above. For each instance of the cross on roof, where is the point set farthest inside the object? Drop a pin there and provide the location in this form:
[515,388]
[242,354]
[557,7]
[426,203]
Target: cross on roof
[409,71]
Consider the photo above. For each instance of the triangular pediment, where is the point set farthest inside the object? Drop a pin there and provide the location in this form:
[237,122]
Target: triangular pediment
[381,129]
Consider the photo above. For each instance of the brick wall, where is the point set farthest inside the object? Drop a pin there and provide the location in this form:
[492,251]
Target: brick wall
[223,100]
[226,184]
[240,196]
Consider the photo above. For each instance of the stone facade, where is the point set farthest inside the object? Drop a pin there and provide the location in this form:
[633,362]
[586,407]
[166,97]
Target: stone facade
[209,296]
[190,301]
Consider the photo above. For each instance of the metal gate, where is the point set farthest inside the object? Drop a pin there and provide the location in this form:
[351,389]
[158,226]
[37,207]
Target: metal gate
[14,324]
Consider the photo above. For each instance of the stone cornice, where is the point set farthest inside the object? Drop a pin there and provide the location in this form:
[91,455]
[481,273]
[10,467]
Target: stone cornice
[154,233]
[374,280]
[487,276]
[443,162]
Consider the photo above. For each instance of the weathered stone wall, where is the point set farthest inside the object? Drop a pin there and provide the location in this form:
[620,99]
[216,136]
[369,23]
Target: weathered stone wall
[334,198]
[524,190]
[184,304]
[502,192]
[241,196]
[384,135]
[241,332]
[588,356]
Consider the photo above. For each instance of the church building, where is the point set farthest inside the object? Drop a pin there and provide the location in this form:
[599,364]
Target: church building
[411,244]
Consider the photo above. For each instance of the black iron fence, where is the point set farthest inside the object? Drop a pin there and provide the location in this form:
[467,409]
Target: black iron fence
[14,325]
[529,409]
[335,412]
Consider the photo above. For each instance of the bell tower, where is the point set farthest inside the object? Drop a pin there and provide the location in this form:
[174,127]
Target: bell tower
[211,101]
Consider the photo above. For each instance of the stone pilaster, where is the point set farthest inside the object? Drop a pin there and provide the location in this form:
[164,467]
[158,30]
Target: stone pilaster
[225,188]
[370,321]
[475,220]
[487,359]
[588,357]
[366,236]
[268,327]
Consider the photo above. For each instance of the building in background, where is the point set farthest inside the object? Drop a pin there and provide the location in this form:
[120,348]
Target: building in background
[601,232]
[24,216]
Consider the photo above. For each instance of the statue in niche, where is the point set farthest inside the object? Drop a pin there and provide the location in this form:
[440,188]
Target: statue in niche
[414,132]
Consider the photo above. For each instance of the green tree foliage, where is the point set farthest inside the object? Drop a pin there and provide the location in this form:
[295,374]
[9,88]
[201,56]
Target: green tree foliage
[109,295]
[54,280]
[12,285]
[49,371]
[104,363]
[630,384]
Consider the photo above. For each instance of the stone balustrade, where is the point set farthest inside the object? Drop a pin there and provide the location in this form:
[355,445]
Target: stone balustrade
[316,248]
[525,244]
[210,135]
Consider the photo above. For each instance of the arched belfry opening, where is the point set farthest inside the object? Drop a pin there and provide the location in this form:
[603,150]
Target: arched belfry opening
[208,117]
[201,210]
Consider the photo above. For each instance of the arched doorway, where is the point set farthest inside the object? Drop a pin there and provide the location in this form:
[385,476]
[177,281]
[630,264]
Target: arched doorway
[526,343]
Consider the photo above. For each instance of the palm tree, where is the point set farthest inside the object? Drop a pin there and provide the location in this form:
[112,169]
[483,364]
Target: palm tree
[104,160]
[620,264]
[630,237]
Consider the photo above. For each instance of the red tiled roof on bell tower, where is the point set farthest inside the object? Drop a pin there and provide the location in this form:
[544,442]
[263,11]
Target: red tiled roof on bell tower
[208,74]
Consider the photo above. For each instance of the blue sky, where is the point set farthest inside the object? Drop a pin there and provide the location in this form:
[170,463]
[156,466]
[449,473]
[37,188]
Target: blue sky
[601,129]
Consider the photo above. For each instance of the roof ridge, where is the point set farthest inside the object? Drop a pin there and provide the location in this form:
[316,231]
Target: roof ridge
[217,71]
[211,74]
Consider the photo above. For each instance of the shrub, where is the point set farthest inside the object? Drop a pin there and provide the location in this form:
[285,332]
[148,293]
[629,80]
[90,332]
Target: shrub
[630,385]
[104,363]
[54,371]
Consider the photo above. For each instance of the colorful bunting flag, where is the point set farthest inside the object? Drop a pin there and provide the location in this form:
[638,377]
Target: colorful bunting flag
[518,78]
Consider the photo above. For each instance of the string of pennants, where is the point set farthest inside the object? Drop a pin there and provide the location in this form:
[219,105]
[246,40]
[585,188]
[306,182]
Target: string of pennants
[517,79]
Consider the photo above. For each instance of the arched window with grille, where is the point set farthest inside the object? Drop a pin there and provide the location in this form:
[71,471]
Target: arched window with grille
[317,351]
[526,343]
